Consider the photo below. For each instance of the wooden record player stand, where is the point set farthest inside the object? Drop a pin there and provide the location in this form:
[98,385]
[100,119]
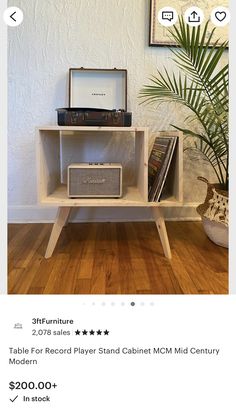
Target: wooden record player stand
[50,170]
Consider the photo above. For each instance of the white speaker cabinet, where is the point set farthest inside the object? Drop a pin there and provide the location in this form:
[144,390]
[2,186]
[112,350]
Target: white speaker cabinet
[94,180]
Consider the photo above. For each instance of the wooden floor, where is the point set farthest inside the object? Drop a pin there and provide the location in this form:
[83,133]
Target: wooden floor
[115,258]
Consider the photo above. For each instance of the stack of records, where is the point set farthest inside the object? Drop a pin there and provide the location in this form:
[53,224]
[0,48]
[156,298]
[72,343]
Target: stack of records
[158,166]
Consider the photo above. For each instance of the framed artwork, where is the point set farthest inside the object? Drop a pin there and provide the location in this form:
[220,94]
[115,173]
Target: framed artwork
[159,35]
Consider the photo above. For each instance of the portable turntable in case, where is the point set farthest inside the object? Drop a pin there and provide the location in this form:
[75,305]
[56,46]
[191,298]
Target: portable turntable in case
[97,97]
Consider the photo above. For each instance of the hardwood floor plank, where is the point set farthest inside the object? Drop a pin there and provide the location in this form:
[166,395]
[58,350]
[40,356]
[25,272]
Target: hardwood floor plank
[181,273]
[203,272]
[57,273]
[32,249]
[18,234]
[101,262]
[35,291]
[14,277]
[115,258]
[12,231]
[82,237]
[43,272]
[66,283]
[158,267]
[169,282]
[85,269]
[141,276]
[113,274]
[83,287]
[19,242]
[127,276]
[26,278]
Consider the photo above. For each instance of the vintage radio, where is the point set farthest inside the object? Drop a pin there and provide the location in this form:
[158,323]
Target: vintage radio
[97,97]
[94,180]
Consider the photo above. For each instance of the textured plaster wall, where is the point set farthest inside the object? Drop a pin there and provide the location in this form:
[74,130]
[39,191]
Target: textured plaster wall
[56,35]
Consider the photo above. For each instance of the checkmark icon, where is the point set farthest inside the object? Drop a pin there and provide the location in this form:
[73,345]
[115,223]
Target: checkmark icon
[13,400]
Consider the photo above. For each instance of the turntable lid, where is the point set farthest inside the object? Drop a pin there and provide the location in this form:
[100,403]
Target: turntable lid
[100,88]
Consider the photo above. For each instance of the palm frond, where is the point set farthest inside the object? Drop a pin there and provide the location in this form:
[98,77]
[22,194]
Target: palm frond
[201,86]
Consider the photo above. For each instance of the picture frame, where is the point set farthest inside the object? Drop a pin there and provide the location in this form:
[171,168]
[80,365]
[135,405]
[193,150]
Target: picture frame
[158,34]
[154,36]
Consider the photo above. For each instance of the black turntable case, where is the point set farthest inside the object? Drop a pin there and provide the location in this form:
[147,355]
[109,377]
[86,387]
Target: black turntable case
[97,97]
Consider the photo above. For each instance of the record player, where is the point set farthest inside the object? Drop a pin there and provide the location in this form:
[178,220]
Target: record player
[97,97]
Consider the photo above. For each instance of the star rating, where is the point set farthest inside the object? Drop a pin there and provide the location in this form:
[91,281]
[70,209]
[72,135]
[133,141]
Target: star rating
[92,332]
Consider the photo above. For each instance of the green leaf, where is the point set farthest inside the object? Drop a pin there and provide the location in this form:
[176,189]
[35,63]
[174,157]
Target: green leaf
[201,86]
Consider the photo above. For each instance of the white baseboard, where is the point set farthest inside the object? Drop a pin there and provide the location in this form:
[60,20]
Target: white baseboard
[37,214]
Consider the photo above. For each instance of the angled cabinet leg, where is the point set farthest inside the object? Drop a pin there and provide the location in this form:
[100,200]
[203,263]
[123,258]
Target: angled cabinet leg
[161,227]
[61,219]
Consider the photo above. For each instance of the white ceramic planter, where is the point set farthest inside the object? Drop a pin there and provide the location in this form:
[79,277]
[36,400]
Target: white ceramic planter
[217,232]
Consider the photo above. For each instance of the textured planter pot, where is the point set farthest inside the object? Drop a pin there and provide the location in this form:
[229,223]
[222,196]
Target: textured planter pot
[217,232]
[214,214]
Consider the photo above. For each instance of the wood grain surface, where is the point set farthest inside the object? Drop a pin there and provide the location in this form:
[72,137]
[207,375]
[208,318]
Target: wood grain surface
[115,258]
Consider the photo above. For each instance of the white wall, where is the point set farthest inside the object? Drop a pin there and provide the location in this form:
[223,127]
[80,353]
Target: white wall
[56,35]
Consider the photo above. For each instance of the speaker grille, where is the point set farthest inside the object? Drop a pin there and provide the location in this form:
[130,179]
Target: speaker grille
[94,182]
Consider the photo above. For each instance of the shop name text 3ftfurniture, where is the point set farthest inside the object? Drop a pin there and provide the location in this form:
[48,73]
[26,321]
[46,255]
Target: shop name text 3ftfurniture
[58,146]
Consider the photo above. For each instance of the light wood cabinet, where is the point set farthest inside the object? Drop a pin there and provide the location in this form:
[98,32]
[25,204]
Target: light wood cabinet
[58,146]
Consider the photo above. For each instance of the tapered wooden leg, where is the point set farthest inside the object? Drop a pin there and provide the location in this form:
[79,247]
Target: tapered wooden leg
[62,216]
[161,227]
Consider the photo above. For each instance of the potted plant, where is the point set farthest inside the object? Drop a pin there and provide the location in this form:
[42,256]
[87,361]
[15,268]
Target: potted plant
[201,85]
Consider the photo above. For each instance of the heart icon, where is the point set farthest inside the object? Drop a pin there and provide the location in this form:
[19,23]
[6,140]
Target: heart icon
[220,15]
